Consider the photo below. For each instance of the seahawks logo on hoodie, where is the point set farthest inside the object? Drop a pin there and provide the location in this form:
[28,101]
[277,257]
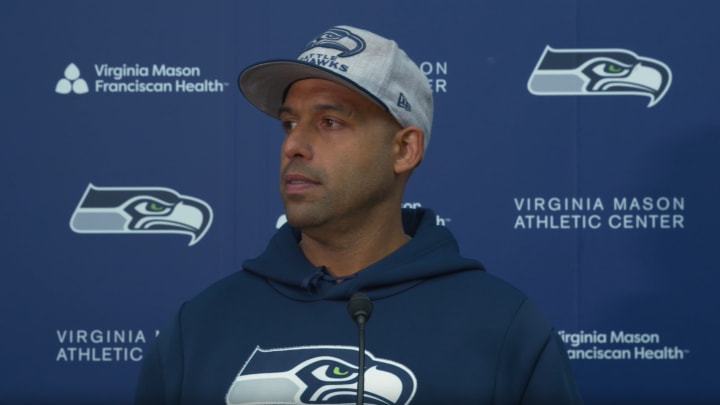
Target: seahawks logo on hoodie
[319,374]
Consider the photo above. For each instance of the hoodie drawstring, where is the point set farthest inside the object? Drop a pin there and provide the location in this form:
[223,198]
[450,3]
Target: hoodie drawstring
[312,281]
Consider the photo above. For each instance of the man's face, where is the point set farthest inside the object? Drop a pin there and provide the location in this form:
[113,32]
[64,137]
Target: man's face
[336,163]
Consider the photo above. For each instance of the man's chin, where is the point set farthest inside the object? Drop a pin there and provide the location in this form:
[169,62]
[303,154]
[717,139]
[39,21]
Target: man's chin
[306,213]
[300,218]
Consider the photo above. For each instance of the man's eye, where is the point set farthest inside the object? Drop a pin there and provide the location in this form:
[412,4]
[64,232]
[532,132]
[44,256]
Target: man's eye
[288,125]
[330,123]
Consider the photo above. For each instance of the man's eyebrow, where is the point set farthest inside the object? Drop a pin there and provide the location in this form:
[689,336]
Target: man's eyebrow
[340,108]
[284,110]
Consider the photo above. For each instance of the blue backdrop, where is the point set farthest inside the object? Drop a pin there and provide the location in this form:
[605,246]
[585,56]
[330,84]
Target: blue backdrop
[574,152]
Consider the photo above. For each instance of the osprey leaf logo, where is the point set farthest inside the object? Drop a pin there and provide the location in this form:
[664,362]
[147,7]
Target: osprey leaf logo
[71,82]
[319,375]
[595,72]
[140,210]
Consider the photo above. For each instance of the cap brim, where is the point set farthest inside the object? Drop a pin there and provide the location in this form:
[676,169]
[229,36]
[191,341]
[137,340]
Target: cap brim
[265,83]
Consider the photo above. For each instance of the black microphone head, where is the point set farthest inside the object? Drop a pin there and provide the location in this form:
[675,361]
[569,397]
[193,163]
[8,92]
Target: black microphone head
[360,305]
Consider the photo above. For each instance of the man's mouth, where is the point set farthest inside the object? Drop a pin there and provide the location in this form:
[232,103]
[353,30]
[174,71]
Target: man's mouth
[298,183]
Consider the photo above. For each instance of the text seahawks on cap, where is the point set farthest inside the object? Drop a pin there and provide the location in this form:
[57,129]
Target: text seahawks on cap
[361,60]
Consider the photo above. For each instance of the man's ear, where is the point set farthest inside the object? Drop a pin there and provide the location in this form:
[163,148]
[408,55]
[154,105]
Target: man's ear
[409,148]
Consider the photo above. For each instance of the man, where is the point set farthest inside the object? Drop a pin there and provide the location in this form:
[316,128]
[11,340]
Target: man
[357,113]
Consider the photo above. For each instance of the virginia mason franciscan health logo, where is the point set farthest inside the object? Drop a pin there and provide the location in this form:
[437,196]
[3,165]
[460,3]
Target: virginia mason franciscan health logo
[137,78]
[597,72]
[135,210]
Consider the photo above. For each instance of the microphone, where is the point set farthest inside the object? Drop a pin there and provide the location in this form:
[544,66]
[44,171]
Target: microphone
[360,308]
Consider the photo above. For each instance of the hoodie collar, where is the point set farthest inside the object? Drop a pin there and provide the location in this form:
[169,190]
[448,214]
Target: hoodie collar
[432,252]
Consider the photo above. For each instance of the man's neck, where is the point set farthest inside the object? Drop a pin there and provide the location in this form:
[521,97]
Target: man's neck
[345,253]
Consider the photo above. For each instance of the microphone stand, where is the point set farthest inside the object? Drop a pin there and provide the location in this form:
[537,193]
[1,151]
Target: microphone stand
[361,360]
[360,308]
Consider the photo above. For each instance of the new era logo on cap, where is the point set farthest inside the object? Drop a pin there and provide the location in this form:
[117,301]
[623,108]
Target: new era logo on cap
[403,103]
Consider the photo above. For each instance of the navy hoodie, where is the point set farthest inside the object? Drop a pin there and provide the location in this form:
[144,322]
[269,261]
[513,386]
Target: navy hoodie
[443,331]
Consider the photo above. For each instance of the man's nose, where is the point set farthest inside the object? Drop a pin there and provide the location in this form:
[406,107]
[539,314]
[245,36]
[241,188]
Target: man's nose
[298,142]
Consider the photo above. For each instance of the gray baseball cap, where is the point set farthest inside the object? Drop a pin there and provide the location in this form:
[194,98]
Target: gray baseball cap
[365,62]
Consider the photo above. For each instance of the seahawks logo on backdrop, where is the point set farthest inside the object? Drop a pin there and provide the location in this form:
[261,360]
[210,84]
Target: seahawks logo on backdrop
[319,375]
[140,210]
[341,39]
[563,72]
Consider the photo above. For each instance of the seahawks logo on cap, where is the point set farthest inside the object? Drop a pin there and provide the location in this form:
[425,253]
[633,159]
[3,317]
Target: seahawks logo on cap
[140,210]
[319,375]
[599,72]
[338,38]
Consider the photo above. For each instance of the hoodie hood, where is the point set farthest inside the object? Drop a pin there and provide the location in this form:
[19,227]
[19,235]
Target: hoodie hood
[432,252]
